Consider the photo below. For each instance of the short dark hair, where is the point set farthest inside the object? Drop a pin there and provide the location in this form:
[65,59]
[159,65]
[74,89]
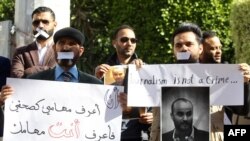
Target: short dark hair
[208,34]
[115,32]
[43,9]
[180,99]
[188,27]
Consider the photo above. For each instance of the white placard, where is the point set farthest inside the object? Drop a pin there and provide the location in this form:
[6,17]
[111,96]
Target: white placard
[49,110]
[225,82]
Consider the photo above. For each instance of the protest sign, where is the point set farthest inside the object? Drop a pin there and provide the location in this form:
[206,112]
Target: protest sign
[225,82]
[51,110]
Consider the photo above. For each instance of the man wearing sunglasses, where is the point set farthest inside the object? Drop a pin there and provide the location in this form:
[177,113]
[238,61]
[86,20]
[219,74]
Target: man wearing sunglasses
[124,41]
[38,55]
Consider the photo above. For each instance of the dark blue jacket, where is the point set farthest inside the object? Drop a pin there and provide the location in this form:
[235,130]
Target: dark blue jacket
[4,73]
[199,135]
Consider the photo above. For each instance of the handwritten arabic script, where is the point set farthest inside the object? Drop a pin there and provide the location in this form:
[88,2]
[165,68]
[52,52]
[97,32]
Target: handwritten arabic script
[78,111]
[48,109]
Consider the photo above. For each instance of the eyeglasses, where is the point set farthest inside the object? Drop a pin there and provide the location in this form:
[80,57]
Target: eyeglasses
[37,22]
[125,39]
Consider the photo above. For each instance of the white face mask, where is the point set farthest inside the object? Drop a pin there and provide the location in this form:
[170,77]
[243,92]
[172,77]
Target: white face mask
[65,55]
[42,33]
[183,55]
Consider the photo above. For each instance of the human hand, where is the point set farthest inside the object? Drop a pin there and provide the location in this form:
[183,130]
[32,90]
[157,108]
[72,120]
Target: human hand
[6,92]
[101,70]
[245,68]
[138,63]
[146,118]
[122,98]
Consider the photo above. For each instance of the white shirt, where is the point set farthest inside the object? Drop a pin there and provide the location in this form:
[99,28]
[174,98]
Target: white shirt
[42,51]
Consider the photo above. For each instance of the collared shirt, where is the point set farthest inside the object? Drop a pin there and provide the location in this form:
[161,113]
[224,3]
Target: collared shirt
[73,71]
[186,138]
[42,50]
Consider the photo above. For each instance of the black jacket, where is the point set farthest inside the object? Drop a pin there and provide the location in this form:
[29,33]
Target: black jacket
[50,75]
[4,73]
[199,135]
[131,129]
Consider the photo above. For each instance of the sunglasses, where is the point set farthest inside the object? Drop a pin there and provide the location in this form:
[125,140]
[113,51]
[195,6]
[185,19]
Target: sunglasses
[37,22]
[125,39]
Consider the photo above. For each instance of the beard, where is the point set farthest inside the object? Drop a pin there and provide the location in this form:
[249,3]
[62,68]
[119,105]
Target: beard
[126,53]
[187,61]
[184,126]
[49,33]
[66,62]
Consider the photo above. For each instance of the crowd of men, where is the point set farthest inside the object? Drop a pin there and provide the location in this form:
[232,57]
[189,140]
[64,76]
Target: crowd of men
[53,56]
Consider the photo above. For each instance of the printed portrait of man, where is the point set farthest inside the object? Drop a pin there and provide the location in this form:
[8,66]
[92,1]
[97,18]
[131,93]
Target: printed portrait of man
[115,76]
[185,114]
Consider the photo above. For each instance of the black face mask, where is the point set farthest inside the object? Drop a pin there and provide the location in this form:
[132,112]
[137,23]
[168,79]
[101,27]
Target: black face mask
[186,61]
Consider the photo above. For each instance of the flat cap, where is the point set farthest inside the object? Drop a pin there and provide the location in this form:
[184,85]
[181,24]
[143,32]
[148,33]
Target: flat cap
[71,33]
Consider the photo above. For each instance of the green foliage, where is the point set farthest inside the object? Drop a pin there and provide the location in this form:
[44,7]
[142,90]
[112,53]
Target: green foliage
[209,15]
[103,16]
[153,21]
[240,24]
[7,10]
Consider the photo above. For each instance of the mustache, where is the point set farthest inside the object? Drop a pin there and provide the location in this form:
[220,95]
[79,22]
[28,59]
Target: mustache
[185,123]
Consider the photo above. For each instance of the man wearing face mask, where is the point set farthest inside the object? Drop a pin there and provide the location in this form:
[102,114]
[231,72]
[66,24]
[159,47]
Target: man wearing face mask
[186,42]
[38,55]
[68,48]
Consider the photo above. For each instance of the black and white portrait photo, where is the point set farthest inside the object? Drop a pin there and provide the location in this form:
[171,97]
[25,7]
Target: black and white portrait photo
[185,114]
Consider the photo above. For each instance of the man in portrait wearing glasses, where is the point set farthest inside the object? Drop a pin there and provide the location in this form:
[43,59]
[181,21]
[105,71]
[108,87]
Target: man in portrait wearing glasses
[124,41]
[38,55]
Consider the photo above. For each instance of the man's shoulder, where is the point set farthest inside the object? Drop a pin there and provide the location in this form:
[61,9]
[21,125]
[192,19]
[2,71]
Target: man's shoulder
[88,78]
[26,48]
[168,135]
[200,131]
[5,64]
[43,75]
[201,134]
[4,60]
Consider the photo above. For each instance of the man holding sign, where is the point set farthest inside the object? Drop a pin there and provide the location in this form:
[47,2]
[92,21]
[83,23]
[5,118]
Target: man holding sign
[68,48]
[124,41]
[187,47]
[186,41]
